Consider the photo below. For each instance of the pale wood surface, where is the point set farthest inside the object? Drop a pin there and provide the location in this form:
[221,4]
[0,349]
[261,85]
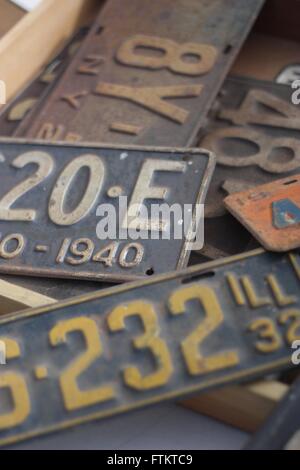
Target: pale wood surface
[263,57]
[14,298]
[270,389]
[10,14]
[29,45]
[245,407]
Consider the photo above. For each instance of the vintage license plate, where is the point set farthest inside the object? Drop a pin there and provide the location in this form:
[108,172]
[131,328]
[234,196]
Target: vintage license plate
[254,128]
[54,196]
[140,343]
[255,132]
[271,212]
[148,76]
[15,115]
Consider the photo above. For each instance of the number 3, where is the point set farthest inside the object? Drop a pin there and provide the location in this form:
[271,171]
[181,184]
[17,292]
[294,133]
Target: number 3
[150,340]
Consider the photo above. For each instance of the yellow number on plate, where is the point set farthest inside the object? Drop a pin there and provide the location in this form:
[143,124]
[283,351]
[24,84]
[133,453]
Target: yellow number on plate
[16,383]
[292,317]
[195,362]
[149,340]
[75,398]
[270,339]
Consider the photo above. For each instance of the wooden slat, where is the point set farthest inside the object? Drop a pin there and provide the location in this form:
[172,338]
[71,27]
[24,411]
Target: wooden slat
[10,15]
[294,443]
[252,61]
[245,407]
[14,298]
[37,36]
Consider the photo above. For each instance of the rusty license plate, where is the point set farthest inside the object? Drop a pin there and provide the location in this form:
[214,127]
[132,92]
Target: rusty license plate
[254,130]
[149,75]
[271,212]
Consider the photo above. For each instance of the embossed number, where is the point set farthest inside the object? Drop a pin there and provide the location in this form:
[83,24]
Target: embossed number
[75,398]
[173,57]
[149,340]
[196,363]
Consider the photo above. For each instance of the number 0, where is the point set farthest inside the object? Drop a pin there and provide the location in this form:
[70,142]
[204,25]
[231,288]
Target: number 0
[57,199]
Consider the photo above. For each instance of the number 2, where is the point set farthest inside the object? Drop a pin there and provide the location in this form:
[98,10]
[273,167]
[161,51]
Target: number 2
[196,363]
[74,398]
[57,198]
[45,164]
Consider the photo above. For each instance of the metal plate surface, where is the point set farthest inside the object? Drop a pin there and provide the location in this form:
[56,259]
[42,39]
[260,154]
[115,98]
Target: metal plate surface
[254,129]
[271,212]
[144,342]
[147,73]
[50,195]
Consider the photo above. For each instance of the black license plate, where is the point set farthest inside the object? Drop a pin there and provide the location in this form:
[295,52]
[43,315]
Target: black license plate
[255,132]
[137,344]
[50,196]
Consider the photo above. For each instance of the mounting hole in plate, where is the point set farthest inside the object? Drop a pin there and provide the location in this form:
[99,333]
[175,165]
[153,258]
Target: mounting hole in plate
[290,182]
[150,272]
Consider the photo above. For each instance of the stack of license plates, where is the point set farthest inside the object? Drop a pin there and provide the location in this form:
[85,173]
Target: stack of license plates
[149,219]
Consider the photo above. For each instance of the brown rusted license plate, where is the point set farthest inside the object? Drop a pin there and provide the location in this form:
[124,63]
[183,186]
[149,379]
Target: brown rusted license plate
[140,343]
[147,72]
[254,128]
[14,115]
[87,211]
